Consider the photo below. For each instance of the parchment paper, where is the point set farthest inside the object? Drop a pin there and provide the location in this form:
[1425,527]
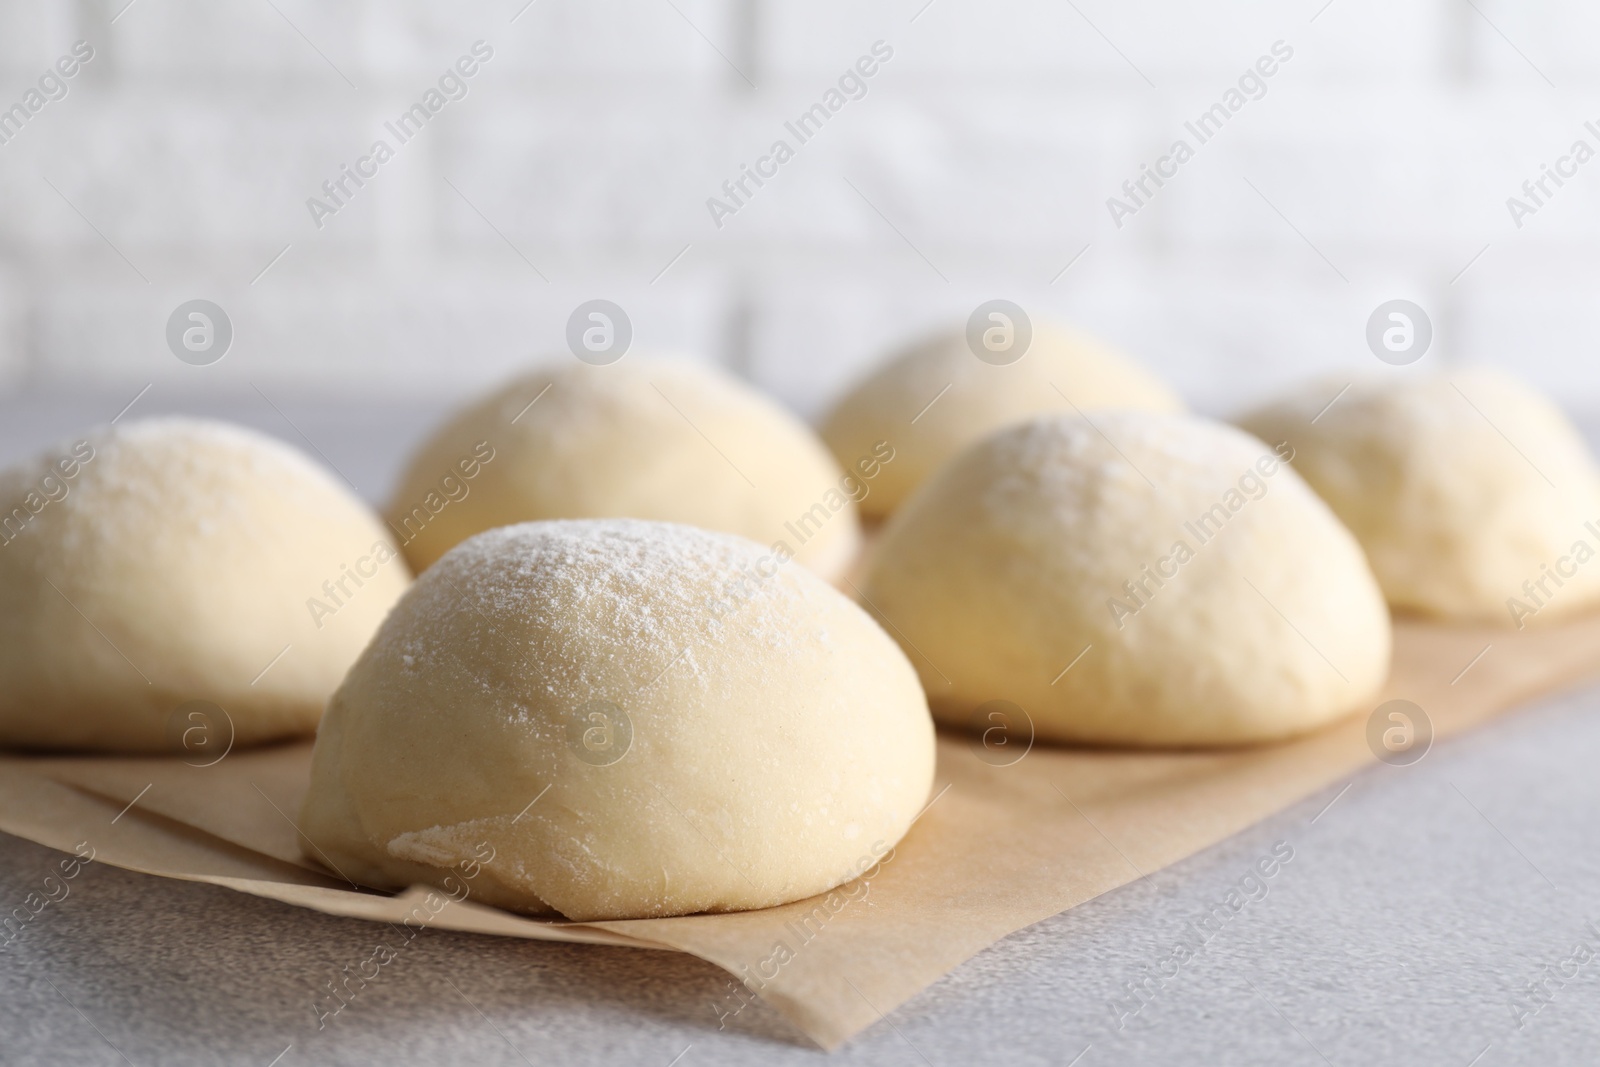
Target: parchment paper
[999,848]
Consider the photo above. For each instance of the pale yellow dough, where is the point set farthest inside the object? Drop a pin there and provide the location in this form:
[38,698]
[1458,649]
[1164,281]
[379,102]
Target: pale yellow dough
[177,562]
[1027,555]
[1060,369]
[641,439]
[777,739]
[1474,497]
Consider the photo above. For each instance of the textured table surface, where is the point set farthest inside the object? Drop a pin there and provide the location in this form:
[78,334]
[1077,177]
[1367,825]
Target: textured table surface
[1418,908]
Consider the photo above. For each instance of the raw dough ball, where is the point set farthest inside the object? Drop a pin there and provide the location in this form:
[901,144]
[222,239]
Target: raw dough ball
[169,561]
[632,718]
[1059,369]
[645,440]
[1443,479]
[1219,601]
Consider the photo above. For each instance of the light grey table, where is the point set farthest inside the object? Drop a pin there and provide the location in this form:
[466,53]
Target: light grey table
[1416,911]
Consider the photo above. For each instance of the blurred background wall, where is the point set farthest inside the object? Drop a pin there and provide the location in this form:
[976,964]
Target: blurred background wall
[1376,163]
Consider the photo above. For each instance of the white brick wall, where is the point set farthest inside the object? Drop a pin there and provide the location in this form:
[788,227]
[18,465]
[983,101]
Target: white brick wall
[182,157]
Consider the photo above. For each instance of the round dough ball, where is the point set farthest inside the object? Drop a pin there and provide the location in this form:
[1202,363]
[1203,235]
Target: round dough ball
[1198,590]
[1472,495]
[1059,370]
[168,561]
[631,718]
[645,440]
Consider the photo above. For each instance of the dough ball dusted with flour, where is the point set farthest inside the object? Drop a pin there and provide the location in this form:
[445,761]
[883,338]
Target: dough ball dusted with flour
[172,562]
[632,718]
[647,440]
[1473,496]
[1149,580]
[937,398]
